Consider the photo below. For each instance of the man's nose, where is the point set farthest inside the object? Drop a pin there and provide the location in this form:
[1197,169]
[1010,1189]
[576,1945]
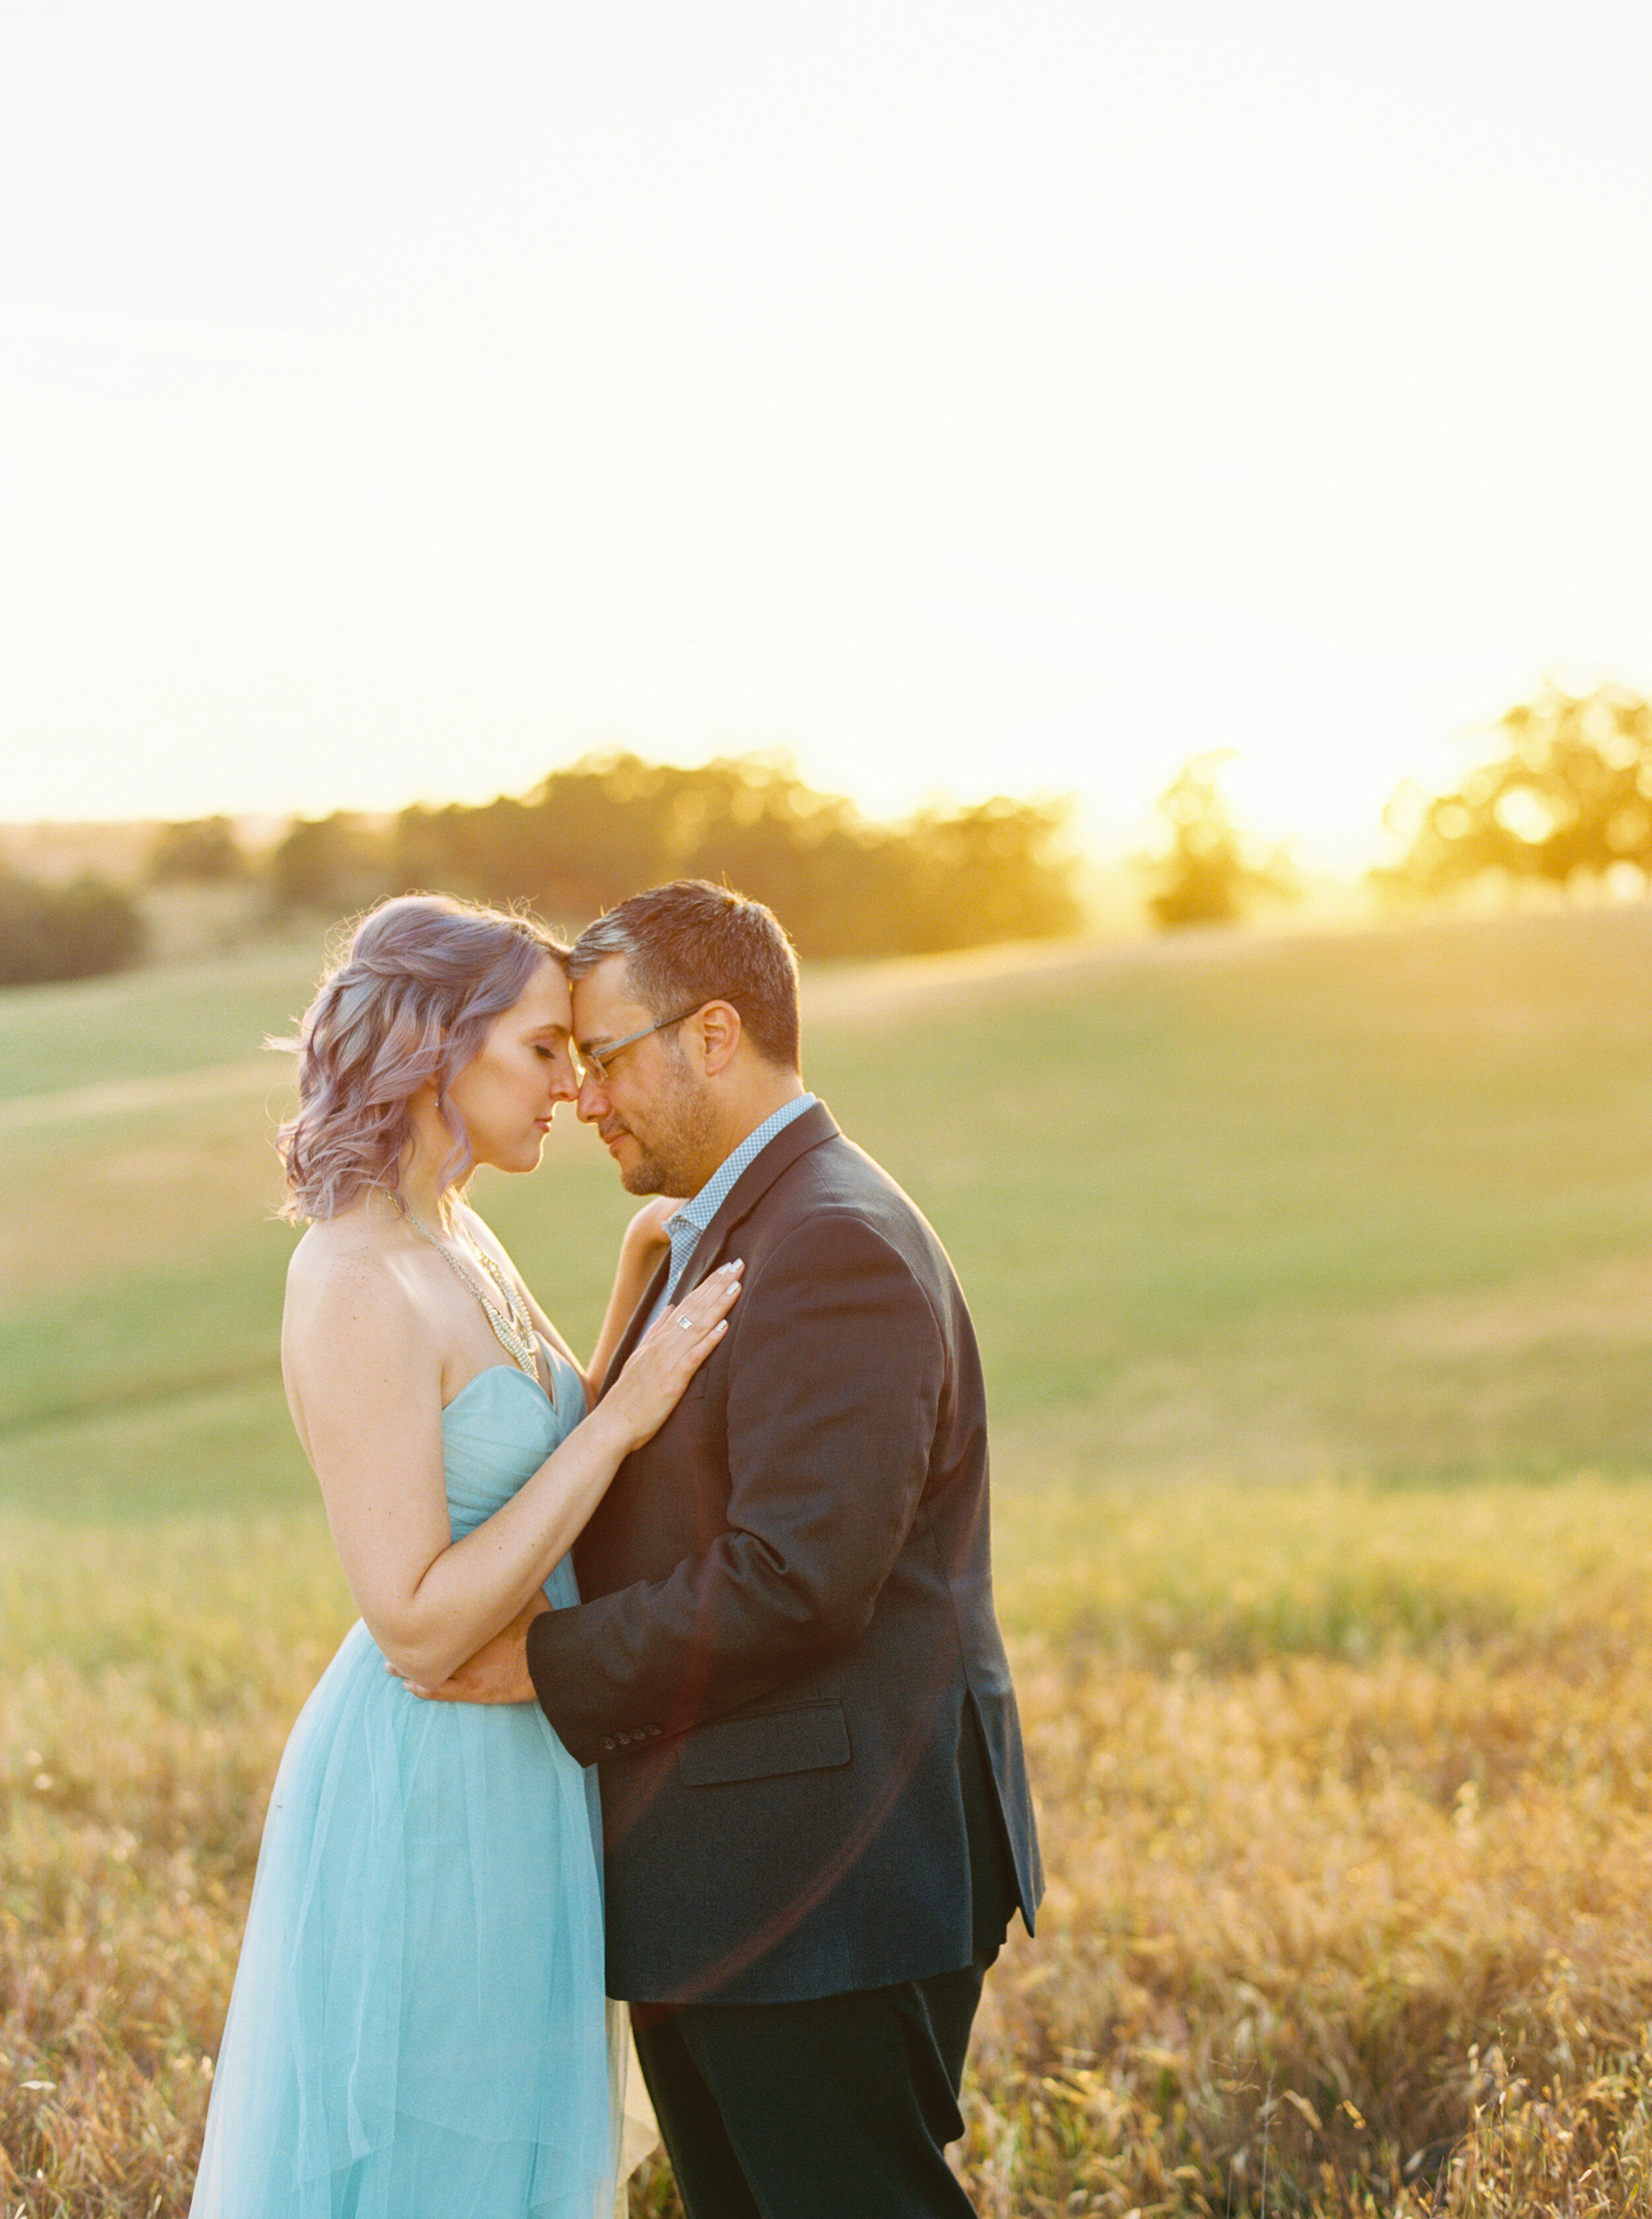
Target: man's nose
[590,1104]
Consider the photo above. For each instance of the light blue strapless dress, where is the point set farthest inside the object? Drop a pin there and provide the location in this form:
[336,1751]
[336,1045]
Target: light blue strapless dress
[418,2029]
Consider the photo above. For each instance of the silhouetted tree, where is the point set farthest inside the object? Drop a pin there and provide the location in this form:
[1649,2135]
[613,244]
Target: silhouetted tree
[200,851]
[833,878]
[994,871]
[1212,872]
[73,931]
[1567,795]
[335,863]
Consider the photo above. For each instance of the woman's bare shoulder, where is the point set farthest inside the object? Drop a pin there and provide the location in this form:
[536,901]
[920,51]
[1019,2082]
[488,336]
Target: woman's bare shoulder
[328,1248]
[355,1272]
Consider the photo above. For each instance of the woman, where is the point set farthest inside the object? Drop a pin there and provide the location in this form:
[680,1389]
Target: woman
[418,2029]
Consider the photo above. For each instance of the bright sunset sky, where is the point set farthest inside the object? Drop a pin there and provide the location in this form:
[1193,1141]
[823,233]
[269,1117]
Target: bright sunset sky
[398,401]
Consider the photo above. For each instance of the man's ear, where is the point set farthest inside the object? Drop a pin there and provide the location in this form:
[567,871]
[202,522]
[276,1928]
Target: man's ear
[720,1031]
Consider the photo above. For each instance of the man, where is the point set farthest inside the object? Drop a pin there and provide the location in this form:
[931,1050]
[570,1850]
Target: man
[786,1664]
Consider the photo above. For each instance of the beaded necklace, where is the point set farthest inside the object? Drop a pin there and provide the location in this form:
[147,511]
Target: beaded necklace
[512,1328]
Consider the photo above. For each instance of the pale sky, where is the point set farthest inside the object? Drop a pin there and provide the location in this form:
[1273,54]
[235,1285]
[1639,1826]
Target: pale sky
[397,401]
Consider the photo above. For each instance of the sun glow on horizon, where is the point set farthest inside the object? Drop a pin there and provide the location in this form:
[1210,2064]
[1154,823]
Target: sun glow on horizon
[1007,403]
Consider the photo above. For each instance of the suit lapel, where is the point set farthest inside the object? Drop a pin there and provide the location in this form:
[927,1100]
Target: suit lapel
[816,1124]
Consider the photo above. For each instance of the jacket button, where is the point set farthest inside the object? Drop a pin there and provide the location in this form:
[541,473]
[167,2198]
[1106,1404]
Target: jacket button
[654,1729]
[607,1741]
[624,1739]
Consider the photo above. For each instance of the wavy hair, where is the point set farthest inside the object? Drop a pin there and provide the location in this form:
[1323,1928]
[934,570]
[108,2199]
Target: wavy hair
[423,978]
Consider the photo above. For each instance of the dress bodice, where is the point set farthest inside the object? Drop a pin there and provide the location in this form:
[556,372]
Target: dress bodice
[496,1432]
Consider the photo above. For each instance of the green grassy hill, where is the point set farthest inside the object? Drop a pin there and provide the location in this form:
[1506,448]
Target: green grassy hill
[1374,1204]
[1312,1275]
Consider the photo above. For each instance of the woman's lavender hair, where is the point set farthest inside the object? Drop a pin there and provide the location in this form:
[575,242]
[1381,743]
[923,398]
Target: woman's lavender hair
[412,1001]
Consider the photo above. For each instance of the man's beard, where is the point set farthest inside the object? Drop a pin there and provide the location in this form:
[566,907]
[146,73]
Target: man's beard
[677,1160]
[659,1174]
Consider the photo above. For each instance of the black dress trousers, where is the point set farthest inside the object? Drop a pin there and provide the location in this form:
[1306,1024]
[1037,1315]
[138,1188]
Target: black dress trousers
[840,2107]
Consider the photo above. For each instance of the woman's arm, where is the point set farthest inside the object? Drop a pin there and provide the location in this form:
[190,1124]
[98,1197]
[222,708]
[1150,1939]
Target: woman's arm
[363,1373]
[645,1243]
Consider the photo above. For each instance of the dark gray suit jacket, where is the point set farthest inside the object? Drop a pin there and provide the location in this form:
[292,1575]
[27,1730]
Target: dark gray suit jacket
[788,1607]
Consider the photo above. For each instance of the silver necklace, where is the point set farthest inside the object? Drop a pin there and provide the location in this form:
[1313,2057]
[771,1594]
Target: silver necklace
[512,1328]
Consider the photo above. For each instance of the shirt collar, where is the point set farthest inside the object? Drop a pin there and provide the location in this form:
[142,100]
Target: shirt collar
[702,1207]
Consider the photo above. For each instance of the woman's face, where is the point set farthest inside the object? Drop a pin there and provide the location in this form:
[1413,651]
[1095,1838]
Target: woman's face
[508,1091]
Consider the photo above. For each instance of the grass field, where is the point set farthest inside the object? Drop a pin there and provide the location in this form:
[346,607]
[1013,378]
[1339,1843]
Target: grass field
[1312,1275]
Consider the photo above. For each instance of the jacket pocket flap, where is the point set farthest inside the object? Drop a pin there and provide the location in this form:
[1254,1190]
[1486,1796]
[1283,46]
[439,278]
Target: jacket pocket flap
[757,1749]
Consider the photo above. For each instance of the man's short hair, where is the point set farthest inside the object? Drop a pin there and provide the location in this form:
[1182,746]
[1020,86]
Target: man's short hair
[692,943]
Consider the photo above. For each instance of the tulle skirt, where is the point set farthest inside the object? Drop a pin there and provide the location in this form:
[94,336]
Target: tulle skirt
[418,2028]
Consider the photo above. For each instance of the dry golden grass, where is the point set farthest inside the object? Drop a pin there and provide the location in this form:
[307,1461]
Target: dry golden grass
[1327,1933]
[147,1680]
[1310,1916]
[1343,1787]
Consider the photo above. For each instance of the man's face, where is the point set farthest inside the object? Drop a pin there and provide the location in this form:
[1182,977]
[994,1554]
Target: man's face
[651,1109]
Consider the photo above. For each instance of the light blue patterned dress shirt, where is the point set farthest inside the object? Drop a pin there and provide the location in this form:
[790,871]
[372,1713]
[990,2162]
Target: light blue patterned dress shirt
[683,1230]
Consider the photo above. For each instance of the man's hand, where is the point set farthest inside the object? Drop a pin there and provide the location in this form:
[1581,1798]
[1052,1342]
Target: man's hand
[497,1673]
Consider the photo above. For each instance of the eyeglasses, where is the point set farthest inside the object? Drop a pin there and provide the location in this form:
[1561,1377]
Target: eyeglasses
[599,1066]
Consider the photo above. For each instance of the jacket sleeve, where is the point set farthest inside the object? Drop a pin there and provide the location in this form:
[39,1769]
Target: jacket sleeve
[835,1382]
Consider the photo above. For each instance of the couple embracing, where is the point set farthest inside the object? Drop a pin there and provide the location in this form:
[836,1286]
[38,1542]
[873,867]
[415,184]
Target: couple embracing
[736,1565]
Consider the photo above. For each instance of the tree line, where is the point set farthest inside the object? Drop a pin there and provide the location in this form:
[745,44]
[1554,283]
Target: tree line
[844,885]
[1561,795]
[588,835]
